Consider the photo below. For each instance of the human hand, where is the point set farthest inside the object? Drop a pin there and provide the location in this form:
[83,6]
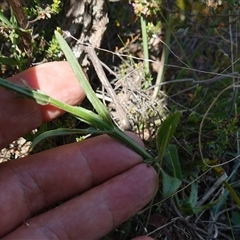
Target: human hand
[100,182]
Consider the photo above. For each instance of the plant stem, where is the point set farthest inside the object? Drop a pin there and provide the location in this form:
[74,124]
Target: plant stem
[126,140]
[145,44]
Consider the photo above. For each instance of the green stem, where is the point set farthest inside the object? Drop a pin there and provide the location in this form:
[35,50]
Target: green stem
[145,44]
[82,114]
[126,140]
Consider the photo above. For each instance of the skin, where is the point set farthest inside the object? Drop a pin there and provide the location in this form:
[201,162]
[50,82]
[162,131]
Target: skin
[100,182]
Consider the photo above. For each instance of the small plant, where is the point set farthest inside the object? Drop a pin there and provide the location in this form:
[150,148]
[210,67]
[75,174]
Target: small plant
[12,32]
[100,123]
[23,40]
[144,10]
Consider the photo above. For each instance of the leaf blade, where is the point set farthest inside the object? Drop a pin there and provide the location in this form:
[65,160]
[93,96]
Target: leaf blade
[41,98]
[77,69]
[64,131]
[165,133]
[170,184]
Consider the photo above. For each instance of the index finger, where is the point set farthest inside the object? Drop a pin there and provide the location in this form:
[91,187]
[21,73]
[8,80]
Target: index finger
[19,115]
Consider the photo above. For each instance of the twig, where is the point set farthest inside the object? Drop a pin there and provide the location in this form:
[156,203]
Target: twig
[160,75]
[124,123]
[211,190]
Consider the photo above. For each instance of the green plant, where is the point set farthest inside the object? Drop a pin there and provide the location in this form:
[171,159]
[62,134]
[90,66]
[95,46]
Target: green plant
[12,31]
[24,37]
[144,10]
[100,123]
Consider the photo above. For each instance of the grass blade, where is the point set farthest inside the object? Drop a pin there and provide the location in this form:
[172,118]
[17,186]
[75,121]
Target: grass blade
[83,114]
[64,131]
[8,61]
[11,25]
[77,69]
[171,156]
[25,91]
[233,193]
[41,98]
[5,20]
[165,133]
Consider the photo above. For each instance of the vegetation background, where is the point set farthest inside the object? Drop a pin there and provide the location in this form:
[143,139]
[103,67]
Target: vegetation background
[160,57]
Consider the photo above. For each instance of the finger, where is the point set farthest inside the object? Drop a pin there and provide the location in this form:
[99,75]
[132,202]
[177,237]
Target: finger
[38,181]
[98,211]
[20,115]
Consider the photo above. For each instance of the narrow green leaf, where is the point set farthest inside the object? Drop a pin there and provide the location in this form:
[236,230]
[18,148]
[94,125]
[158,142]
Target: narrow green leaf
[11,25]
[8,61]
[126,140]
[41,98]
[26,91]
[77,69]
[193,197]
[232,193]
[83,114]
[165,133]
[171,156]
[64,131]
[170,184]
[235,218]
[189,210]
[5,20]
